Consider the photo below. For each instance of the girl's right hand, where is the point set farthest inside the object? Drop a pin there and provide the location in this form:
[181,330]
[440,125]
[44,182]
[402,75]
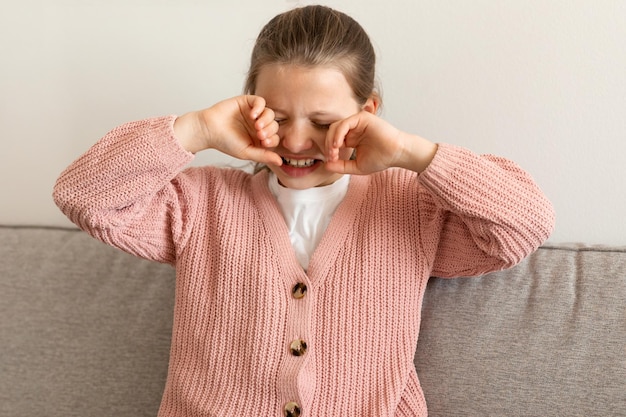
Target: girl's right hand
[241,127]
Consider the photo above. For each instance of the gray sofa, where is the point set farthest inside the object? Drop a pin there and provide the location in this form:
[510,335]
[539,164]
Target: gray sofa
[85,330]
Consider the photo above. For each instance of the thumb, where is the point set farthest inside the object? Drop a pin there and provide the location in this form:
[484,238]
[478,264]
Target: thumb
[264,156]
[343,167]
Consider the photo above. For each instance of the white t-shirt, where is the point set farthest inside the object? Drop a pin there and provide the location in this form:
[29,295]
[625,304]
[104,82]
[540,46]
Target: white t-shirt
[308,212]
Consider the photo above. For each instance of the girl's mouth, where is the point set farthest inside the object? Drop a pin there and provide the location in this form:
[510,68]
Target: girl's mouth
[297,168]
[300,163]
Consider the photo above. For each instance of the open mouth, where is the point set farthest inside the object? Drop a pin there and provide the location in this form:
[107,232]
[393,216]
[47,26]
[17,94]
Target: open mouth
[300,163]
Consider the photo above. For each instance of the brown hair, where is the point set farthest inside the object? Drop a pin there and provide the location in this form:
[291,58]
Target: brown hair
[317,35]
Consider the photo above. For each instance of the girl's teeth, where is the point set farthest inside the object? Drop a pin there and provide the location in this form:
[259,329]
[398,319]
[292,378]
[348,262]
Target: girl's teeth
[299,163]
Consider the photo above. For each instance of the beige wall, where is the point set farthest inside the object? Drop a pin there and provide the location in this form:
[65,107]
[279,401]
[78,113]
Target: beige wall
[538,81]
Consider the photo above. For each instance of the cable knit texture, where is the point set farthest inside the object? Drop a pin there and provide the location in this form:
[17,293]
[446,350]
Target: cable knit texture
[235,316]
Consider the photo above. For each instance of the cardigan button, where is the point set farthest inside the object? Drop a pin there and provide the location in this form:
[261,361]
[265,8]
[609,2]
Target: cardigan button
[298,291]
[292,409]
[297,347]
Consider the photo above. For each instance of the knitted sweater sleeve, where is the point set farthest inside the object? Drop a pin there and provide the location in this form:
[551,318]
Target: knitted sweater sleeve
[485,213]
[125,191]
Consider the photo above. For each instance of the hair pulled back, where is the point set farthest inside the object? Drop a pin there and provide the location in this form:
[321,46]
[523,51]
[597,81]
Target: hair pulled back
[317,36]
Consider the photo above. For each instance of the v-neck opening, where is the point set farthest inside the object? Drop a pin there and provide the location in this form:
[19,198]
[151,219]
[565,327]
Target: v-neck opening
[327,251]
[308,212]
[342,222]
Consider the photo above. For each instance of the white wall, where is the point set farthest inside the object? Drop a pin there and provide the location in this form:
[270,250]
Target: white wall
[540,81]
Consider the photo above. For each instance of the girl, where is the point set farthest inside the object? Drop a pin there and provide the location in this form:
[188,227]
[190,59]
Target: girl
[299,287]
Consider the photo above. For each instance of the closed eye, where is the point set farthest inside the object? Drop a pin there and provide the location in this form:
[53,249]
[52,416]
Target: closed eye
[324,126]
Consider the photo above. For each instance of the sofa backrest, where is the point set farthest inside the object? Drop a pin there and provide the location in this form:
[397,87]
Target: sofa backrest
[85,331]
[546,338]
[84,328]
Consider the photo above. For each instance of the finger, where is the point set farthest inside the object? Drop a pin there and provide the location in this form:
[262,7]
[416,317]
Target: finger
[265,118]
[330,151]
[257,105]
[335,139]
[270,140]
[268,134]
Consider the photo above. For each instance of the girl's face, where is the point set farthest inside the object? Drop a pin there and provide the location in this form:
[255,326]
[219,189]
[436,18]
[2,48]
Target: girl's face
[306,100]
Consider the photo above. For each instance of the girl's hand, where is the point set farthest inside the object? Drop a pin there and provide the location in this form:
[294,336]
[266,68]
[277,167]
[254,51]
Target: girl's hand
[378,144]
[241,127]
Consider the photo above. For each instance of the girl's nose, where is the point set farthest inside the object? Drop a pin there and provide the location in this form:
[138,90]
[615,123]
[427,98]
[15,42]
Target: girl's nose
[296,138]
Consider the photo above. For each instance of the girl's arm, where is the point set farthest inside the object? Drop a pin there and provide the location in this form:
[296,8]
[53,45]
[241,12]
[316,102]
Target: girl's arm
[477,213]
[490,213]
[129,190]
[123,190]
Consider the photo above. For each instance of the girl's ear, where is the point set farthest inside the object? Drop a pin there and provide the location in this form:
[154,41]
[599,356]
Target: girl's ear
[372,104]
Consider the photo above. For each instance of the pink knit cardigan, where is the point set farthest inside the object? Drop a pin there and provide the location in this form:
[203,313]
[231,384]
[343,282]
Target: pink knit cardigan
[243,343]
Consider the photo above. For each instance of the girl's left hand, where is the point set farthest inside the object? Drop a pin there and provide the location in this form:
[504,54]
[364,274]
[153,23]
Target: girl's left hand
[379,145]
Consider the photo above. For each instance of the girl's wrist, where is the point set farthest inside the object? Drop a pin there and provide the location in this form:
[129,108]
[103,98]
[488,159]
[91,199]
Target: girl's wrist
[189,132]
[417,152]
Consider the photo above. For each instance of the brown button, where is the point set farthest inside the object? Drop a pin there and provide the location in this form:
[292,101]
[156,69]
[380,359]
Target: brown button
[298,347]
[292,409]
[298,291]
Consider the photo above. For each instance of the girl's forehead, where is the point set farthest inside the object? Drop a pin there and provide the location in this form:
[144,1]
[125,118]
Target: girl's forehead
[288,72]
[320,89]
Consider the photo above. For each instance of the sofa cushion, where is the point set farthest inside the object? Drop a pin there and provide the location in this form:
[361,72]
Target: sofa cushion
[546,338]
[84,328]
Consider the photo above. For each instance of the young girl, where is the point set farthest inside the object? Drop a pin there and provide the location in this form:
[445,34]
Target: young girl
[299,288]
